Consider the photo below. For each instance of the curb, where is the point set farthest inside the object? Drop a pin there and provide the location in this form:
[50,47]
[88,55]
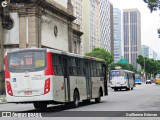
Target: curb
[3,99]
[3,102]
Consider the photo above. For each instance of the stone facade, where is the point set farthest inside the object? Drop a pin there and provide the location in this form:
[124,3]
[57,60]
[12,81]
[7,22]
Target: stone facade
[40,23]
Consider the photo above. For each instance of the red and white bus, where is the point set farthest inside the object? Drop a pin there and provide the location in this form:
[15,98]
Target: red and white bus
[45,76]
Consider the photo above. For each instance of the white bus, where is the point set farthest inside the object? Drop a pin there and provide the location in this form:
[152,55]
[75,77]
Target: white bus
[45,76]
[122,79]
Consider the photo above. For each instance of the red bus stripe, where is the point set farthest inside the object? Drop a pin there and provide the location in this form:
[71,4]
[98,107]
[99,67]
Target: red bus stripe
[7,73]
[49,70]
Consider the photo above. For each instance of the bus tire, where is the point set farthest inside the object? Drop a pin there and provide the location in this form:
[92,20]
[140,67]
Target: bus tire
[131,88]
[98,100]
[75,99]
[115,89]
[128,88]
[40,105]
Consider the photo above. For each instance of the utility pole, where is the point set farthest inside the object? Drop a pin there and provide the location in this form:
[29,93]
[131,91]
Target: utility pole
[144,75]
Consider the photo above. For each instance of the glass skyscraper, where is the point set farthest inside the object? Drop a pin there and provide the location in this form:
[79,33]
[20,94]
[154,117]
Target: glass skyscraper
[146,51]
[105,24]
[117,34]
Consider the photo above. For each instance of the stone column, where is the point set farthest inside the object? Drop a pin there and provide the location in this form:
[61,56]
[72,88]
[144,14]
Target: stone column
[22,31]
[70,37]
[2,83]
[1,46]
[32,30]
[78,47]
[69,7]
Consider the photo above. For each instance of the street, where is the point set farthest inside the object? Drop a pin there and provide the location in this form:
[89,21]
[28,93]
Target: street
[143,97]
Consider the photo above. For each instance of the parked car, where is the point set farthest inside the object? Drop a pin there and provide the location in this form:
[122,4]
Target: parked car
[148,81]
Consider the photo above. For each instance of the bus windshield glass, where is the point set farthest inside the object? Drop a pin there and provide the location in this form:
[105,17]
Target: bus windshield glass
[117,73]
[137,76]
[27,61]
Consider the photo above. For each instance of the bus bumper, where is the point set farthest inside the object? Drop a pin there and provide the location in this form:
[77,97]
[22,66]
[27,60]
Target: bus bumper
[118,87]
[29,99]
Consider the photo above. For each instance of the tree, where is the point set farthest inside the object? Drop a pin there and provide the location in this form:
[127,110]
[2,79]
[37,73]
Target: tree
[140,61]
[153,5]
[101,53]
[151,65]
[123,66]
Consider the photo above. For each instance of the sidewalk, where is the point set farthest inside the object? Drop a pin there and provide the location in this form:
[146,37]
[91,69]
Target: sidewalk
[2,99]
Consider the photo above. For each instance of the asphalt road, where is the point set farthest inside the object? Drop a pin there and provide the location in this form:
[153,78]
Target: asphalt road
[141,98]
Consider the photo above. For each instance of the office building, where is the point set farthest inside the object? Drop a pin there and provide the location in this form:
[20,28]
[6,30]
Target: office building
[132,35]
[117,34]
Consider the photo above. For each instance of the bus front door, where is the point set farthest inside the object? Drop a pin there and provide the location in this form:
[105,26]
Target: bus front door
[105,79]
[88,80]
[66,78]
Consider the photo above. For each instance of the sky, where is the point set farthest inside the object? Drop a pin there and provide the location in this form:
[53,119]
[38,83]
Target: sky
[150,22]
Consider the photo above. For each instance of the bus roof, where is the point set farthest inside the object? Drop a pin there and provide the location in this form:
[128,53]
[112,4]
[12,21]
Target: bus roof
[137,75]
[60,52]
[123,70]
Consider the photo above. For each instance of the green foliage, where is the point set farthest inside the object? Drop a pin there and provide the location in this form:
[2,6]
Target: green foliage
[152,4]
[151,65]
[152,1]
[124,66]
[140,61]
[101,53]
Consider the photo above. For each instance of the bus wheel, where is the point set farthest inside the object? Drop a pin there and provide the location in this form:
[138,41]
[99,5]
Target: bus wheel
[131,88]
[128,88]
[98,100]
[76,99]
[115,89]
[40,105]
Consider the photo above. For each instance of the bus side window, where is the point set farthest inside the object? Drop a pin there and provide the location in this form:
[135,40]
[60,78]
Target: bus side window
[99,69]
[133,77]
[103,69]
[57,65]
[93,69]
[82,67]
[127,77]
[72,66]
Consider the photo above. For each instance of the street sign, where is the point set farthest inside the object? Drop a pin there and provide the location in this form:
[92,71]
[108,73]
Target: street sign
[123,61]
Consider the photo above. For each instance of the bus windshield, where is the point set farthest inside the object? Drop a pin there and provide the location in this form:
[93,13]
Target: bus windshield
[137,76]
[117,73]
[27,61]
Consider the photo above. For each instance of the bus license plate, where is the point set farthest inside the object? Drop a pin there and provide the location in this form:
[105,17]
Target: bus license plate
[28,92]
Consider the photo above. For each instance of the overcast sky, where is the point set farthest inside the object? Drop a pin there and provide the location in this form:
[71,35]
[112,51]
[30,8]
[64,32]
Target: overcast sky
[150,22]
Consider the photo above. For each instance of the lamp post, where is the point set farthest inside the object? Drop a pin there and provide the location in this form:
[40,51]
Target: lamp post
[144,75]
